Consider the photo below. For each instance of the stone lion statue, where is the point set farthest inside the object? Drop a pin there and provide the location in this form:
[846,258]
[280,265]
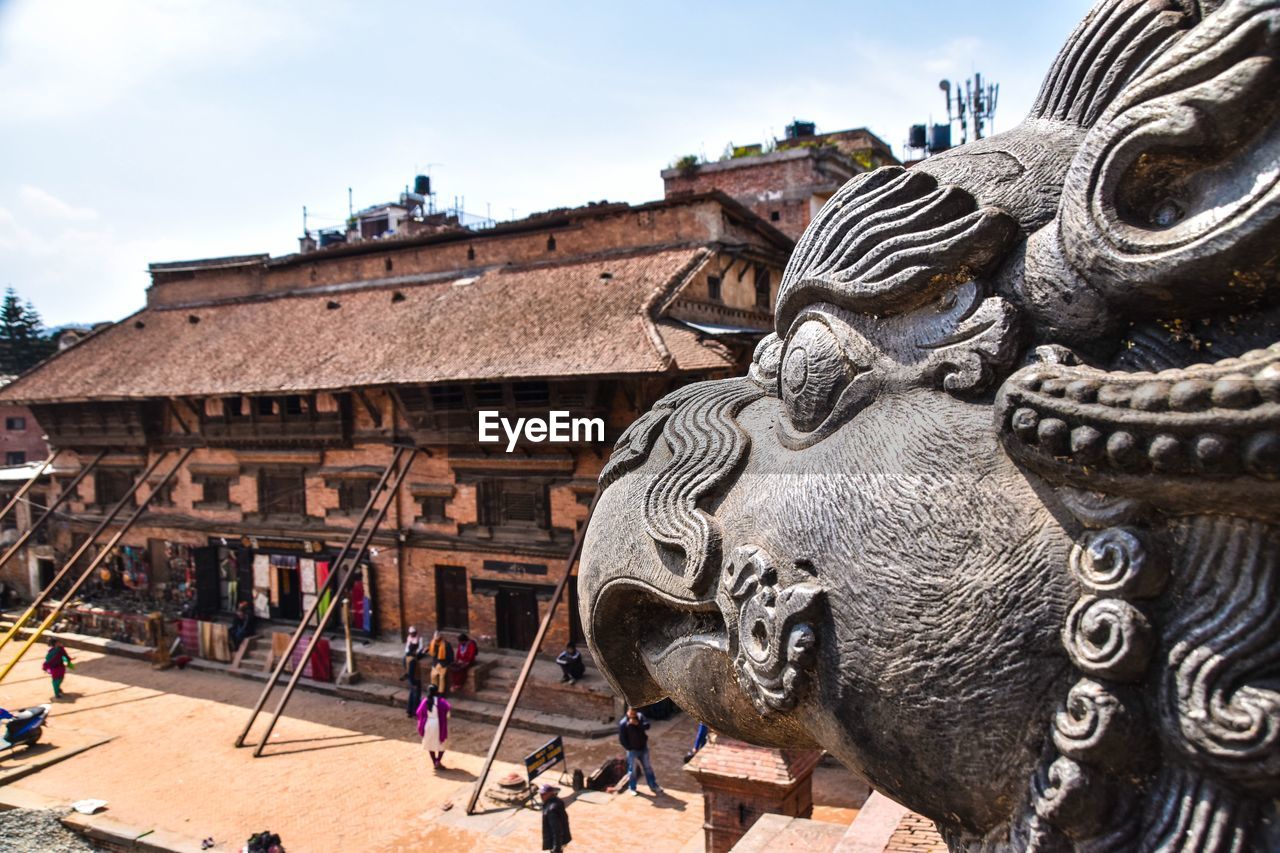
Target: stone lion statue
[993,517]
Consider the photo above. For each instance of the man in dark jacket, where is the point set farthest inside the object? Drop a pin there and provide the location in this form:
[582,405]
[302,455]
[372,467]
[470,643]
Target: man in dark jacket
[555,820]
[633,734]
[571,666]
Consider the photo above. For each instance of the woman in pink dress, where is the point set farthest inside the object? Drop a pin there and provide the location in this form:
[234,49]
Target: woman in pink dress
[433,725]
[56,663]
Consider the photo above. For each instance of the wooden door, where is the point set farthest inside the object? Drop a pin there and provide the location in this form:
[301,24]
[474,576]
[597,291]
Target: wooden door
[517,617]
[451,598]
[208,593]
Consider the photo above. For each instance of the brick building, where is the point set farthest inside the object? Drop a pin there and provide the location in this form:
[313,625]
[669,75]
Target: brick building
[21,439]
[295,377]
[788,184]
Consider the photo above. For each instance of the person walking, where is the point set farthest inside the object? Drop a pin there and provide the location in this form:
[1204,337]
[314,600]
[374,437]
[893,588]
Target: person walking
[555,819]
[633,734]
[433,725]
[441,654]
[699,741]
[415,691]
[56,662]
[571,666]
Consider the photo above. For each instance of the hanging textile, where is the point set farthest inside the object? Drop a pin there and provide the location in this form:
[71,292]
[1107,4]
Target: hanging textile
[230,576]
[135,571]
[182,564]
[261,571]
[307,572]
[358,603]
[320,666]
[368,599]
[189,632]
[322,576]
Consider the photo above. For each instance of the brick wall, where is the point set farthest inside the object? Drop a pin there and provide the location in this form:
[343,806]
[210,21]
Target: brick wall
[28,439]
[577,232]
[403,594]
[740,782]
[916,834]
[783,188]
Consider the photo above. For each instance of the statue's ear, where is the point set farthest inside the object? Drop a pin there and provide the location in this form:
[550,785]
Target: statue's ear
[1173,200]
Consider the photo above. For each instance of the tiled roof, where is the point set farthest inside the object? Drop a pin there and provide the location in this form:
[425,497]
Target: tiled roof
[727,758]
[565,319]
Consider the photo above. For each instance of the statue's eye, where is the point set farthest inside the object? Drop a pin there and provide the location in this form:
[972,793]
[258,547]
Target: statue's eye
[813,374]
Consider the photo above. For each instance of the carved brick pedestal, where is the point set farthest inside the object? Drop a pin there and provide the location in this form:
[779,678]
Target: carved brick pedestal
[741,782]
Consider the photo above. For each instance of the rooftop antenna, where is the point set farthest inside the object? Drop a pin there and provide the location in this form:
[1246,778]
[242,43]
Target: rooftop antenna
[973,106]
[351,209]
[304,220]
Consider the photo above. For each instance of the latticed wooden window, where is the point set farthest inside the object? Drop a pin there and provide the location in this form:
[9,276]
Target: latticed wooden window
[353,495]
[513,503]
[110,485]
[282,491]
[433,508]
[217,490]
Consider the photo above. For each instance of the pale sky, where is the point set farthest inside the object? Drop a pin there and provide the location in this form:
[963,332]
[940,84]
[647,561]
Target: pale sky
[135,131]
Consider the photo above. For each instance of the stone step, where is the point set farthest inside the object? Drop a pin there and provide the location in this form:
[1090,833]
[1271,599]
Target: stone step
[774,833]
[537,721]
[493,696]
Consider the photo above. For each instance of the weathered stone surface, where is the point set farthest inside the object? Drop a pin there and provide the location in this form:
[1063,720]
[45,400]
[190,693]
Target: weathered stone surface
[995,516]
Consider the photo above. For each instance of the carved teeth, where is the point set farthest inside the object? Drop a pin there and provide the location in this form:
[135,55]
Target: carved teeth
[1024,423]
[1083,390]
[1262,455]
[1052,435]
[1032,381]
[1190,395]
[1122,450]
[1165,453]
[1086,444]
[1211,454]
[1151,397]
[1234,392]
[1054,387]
[1115,395]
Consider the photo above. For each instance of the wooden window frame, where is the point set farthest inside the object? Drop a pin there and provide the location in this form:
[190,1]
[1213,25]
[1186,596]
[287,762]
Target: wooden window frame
[263,476]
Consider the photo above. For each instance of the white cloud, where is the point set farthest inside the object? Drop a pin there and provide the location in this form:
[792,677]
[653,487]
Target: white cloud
[69,58]
[47,204]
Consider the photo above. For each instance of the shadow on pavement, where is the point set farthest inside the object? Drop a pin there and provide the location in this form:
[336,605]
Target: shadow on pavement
[357,740]
[86,708]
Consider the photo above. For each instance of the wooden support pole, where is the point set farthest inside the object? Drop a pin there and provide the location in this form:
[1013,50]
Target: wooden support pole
[340,591]
[102,555]
[62,498]
[315,605]
[349,675]
[88,543]
[530,657]
[47,465]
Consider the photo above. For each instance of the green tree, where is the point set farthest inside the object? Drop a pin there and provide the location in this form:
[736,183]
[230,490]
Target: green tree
[23,340]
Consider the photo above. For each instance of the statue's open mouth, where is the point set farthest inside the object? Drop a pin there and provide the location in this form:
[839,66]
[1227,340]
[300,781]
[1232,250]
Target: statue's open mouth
[660,638]
[740,657]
